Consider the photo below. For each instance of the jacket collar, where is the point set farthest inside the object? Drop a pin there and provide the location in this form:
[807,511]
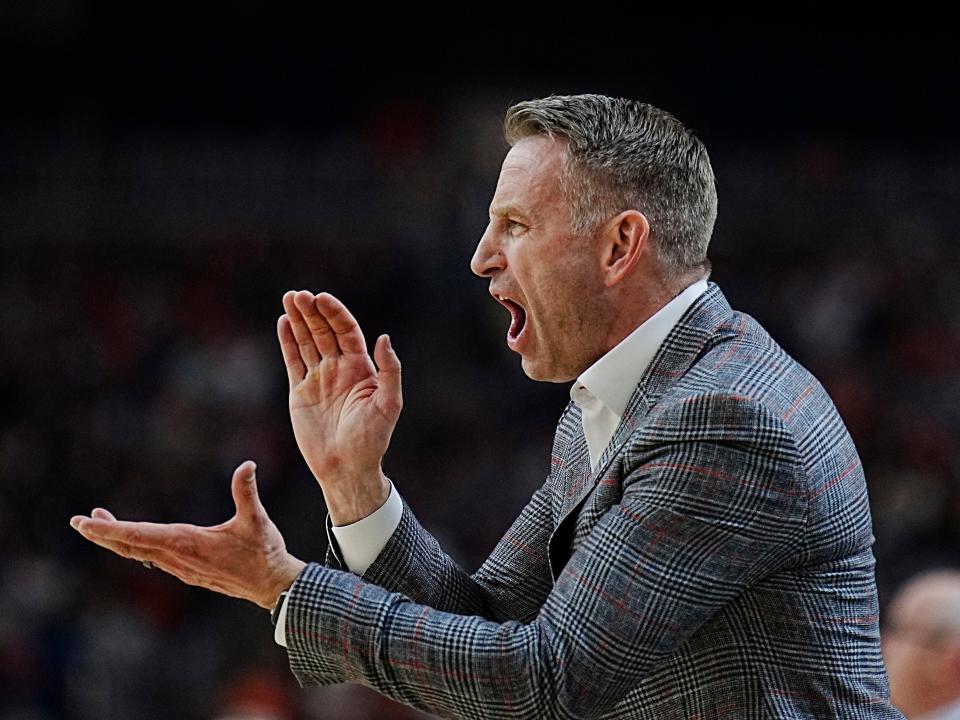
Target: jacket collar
[698,329]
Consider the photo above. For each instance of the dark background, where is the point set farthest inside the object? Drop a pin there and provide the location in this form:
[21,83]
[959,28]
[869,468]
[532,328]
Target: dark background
[167,173]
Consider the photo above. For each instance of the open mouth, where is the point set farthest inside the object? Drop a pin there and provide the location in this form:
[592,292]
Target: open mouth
[518,317]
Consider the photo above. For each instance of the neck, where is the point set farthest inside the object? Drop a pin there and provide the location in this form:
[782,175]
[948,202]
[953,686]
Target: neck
[644,302]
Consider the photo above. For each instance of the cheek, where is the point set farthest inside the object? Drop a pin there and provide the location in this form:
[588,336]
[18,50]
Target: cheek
[563,297]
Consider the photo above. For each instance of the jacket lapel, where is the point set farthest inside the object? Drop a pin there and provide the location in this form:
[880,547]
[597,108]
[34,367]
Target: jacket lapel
[700,327]
[573,467]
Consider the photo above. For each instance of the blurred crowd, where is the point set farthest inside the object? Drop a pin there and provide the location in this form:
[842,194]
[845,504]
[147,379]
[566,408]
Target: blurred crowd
[140,283]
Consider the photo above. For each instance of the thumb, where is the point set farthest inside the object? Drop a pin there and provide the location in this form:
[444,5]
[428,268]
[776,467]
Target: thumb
[244,489]
[389,366]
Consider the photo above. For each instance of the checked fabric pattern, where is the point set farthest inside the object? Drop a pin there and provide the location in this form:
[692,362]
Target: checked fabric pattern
[717,565]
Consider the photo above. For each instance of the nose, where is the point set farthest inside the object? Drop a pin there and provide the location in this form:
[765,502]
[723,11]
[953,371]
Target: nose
[487,258]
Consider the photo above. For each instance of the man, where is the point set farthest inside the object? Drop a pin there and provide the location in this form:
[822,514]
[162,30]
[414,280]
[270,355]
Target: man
[921,644]
[701,545]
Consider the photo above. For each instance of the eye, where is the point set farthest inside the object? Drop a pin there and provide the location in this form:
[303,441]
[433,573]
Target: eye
[516,227]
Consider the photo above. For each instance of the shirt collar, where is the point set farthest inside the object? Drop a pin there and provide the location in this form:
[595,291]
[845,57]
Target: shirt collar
[613,377]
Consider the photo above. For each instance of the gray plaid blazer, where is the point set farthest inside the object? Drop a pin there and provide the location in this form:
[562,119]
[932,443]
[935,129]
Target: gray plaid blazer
[716,565]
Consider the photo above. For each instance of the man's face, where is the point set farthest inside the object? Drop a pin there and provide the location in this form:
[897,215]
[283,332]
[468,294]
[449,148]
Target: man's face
[549,280]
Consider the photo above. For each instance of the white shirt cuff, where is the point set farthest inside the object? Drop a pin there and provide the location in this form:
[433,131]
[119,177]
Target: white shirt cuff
[361,542]
[280,631]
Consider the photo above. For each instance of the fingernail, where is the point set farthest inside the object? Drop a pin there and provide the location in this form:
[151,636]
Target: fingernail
[75,523]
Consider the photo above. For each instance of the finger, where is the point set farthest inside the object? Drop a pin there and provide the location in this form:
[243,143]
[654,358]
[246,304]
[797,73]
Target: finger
[176,538]
[244,490]
[388,365]
[157,558]
[122,549]
[320,330]
[169,562]
[305,344]
[102,514]
[296,370]
[347,330]
[173,567]
[125,550]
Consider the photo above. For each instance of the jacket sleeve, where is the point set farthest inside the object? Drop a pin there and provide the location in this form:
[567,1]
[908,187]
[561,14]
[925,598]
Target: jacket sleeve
[511,584]
[702,517]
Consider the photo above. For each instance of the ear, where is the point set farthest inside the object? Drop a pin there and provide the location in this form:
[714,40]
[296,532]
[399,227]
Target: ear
[625,240]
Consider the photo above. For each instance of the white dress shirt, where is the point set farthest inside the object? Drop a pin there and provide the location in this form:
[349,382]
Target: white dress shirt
[604,389]
[601,392]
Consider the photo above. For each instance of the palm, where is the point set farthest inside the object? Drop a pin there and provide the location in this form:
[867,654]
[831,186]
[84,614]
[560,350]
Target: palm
[244,557]
[343,409]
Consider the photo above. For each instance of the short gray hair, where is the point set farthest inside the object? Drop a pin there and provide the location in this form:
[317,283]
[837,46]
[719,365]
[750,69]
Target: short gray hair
[624,154]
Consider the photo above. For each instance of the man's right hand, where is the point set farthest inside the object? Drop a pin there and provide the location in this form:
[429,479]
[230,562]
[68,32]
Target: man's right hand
[343,408]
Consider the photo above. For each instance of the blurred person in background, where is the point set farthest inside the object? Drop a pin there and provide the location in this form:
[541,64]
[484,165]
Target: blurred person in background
[921,646]
[702,544]
[256,695]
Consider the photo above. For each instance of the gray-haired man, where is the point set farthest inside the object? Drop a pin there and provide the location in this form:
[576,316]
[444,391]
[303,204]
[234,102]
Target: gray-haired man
[701,545]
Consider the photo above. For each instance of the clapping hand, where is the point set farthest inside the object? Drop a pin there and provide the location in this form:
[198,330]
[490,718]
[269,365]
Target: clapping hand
[343,408]
[343,412]
[244,557]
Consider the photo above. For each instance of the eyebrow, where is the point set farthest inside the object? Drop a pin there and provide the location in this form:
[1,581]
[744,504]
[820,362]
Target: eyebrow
[503,211]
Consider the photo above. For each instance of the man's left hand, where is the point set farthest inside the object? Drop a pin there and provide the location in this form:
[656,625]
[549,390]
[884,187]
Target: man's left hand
[244,557]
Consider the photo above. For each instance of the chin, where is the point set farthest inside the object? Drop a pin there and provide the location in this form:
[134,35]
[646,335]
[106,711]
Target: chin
[533,370]
[539,373]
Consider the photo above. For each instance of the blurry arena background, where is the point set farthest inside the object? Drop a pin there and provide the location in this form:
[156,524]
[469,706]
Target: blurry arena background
[166,174]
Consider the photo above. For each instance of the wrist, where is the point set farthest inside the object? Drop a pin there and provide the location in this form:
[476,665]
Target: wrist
[352,500]
[284,581]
